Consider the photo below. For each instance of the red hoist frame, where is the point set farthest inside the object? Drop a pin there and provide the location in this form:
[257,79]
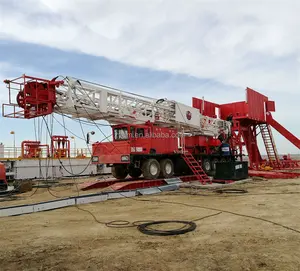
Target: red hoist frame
[33,149]
[60,146]
[250,119]
[36,97]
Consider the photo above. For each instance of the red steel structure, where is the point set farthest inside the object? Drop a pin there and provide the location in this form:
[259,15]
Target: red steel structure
[3,181]
[251,118]
[36,97]
[60,146]
[33,149]
[194,137]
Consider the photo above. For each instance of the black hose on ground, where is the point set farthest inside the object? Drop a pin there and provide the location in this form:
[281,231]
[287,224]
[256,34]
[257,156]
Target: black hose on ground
[188,226]
[231,191]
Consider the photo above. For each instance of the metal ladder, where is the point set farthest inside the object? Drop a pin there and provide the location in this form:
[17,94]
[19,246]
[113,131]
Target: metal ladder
[195,167]
[269,142]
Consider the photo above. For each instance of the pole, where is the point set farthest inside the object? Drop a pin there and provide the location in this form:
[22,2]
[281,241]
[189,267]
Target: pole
[75,153]
[14,143]
[15,146]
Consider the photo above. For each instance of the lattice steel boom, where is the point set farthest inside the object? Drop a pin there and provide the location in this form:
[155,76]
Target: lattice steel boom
[83,99]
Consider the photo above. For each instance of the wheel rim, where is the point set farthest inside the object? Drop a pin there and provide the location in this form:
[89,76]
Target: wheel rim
[207,166]
[20,99]
[153,169]
[168,168]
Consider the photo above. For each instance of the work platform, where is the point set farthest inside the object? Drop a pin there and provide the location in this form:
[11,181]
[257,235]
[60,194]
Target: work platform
[20,167]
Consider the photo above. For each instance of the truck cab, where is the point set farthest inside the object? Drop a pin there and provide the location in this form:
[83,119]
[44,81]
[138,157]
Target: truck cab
[133,145]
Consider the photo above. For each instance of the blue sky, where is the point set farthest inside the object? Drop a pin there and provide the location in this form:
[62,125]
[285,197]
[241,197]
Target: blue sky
[159,49]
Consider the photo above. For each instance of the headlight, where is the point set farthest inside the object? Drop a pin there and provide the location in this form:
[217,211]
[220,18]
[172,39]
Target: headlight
[95,159]
[125,158]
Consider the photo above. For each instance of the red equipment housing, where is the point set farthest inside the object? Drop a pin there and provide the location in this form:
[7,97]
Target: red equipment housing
[35,96]
[33,149]
[60,146]
[3,182]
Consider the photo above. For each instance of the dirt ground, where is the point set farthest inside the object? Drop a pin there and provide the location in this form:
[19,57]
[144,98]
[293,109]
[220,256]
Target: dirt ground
[71,239]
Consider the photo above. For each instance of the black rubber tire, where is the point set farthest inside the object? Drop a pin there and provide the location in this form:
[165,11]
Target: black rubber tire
[119,171]
[206,165]
[213,163]
[146,169]
[147,228]
[135,172]
[163,173]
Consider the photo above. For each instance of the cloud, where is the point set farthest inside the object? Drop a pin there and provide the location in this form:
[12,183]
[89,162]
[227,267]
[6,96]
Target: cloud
[238,43]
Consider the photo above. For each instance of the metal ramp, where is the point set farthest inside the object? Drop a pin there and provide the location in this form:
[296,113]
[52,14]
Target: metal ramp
[284,132]
[195,167]
[269,142]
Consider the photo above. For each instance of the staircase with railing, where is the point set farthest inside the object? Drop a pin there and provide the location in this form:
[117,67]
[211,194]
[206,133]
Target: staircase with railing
[195,167]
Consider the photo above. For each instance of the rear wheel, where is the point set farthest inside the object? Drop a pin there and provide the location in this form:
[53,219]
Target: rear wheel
[206,165]
[151,169]
[119,171]
[135,172]
[166,168]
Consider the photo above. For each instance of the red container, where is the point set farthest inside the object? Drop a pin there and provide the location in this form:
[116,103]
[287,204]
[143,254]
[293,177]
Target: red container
[3,182]
[256,105]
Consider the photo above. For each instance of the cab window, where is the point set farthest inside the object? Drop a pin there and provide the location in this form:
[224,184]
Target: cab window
[140,132]
[121,133]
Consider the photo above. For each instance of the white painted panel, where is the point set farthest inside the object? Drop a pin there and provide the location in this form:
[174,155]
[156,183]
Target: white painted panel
[173,180]
[53,205]
[103,101]
[16,211]
[31,168]
[91,199]
[119,195]
[184,112]
[1,150]
[149,191]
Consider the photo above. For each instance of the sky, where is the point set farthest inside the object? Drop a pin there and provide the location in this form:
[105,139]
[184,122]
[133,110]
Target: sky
[159,48]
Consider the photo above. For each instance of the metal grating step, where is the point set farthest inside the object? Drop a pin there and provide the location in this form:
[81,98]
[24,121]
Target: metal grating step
[269,144]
